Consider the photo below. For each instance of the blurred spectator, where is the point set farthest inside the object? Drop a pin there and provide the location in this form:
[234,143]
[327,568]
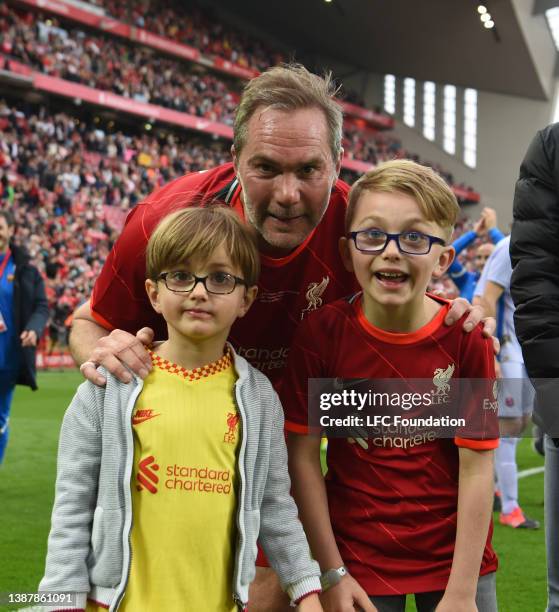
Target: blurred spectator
[23,315]
[466,276]
[535,289]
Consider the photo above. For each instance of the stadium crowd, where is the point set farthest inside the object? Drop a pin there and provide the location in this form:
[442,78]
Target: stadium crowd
[60,175]
[198,27]
[195,27]
[375,147]
[104,63]
[137,72]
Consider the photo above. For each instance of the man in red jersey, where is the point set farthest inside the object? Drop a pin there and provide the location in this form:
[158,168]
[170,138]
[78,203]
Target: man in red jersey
[284,182]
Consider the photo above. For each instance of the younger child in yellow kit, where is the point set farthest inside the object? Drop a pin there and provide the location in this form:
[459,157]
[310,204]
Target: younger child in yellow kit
[165,485]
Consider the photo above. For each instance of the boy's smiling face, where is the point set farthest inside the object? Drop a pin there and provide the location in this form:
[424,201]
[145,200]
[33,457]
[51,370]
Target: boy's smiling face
[199,315]
[393,279]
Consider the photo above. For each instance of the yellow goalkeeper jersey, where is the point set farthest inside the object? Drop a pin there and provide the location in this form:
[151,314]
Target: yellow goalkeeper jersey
[184,490]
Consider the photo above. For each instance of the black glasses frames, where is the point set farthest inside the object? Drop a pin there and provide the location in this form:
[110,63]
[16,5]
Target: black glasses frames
[218,283]
[409,242]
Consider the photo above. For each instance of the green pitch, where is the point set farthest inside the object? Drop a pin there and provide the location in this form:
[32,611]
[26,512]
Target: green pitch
[27,488]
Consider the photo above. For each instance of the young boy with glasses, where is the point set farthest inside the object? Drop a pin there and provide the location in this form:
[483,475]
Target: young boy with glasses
[165,485]
[405,512]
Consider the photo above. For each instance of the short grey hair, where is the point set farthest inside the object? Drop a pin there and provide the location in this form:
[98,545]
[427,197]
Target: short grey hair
[289,87]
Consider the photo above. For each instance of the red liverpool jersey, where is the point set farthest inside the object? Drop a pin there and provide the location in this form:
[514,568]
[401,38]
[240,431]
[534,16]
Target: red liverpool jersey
[393,506]
[289,288]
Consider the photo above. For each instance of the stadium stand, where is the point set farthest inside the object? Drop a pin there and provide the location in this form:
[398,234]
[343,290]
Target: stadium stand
[106,64]
[198,28]
[133,72]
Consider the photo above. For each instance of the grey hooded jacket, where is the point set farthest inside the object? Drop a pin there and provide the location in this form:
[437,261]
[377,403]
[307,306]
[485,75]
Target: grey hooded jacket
[89,547]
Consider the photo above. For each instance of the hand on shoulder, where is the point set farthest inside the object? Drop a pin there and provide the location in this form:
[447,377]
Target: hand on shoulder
[119,352]
[459,307]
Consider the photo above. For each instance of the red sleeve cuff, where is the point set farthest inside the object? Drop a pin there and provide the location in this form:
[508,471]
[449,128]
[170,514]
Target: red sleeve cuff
[296,427]
[477,444]
[303,430]
[298,601]
[101,320]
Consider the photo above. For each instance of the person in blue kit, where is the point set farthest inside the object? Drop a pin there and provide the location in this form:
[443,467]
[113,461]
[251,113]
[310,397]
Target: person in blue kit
[23,315]
[463,278]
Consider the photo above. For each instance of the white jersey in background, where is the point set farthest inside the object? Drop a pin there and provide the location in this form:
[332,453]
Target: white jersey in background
[498,270]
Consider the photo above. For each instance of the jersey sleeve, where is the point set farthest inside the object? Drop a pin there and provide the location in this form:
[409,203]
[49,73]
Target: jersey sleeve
[478,391]
[456,270]
[464,241]
[500,269]
[496,235]
[305,361]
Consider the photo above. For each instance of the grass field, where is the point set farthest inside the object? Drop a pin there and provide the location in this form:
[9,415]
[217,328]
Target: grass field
[27,486]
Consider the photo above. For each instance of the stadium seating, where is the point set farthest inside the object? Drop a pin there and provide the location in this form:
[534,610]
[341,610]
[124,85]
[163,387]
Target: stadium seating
[136,72]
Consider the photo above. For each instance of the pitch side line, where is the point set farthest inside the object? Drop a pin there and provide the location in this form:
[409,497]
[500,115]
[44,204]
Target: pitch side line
[530,472]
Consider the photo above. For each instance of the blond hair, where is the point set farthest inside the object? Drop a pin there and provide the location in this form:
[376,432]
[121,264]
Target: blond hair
[197,233]
[434,197]
[289,87]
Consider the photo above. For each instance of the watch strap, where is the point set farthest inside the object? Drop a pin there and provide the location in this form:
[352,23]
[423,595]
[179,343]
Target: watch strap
[332,576]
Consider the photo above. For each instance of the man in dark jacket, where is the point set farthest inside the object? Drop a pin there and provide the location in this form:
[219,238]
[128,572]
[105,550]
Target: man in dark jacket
[23,315]
[534,251]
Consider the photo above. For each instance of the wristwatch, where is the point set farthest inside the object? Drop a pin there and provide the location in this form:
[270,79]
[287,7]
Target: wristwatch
[331,577]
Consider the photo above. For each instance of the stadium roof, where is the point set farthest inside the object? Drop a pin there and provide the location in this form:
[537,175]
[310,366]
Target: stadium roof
[438,40]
